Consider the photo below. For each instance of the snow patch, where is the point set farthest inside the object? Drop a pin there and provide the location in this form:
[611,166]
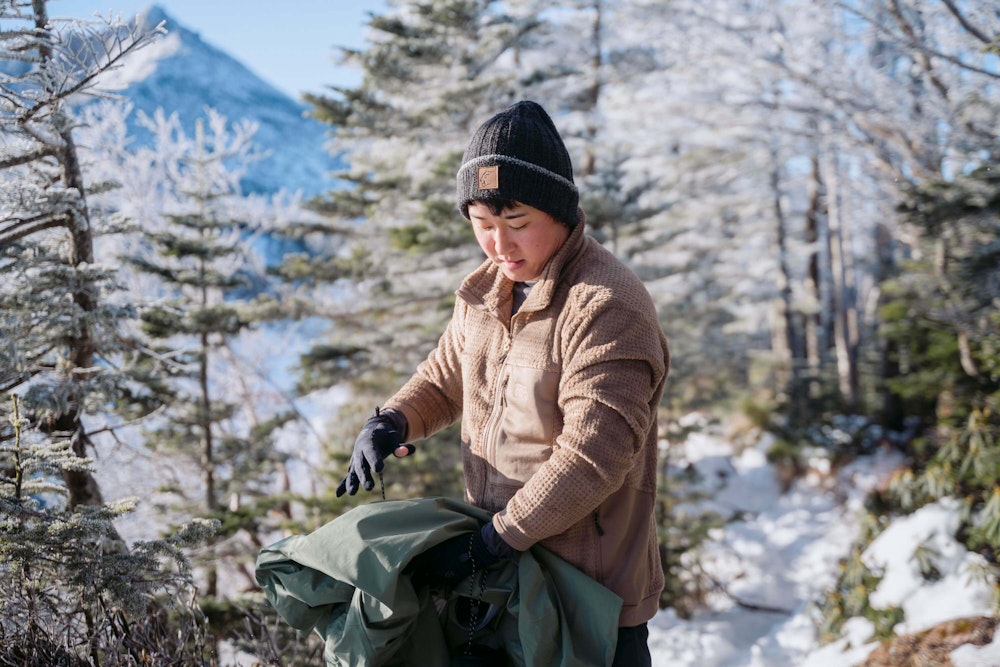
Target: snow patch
[959,589]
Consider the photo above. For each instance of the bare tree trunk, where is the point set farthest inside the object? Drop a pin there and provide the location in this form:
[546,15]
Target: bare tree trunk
[81,485]
[208,443]
[795,351]
[592,94]
[819,325]
[845,320]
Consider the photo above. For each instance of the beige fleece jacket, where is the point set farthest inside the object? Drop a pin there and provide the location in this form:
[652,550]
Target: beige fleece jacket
[558,407]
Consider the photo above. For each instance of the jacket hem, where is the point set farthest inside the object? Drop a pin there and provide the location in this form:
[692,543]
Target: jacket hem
[639,613]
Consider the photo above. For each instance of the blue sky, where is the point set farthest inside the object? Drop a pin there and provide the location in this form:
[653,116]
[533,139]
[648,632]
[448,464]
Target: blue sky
[290,44]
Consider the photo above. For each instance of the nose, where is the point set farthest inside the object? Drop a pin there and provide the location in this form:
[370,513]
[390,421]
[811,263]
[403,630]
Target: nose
[502,241]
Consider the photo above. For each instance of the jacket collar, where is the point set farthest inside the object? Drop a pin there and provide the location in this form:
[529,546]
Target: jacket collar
[487,287]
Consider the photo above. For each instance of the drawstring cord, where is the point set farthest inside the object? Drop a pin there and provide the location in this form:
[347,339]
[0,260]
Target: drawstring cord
[474,602]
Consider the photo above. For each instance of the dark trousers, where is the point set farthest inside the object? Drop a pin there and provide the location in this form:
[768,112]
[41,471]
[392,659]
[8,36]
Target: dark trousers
[633,647]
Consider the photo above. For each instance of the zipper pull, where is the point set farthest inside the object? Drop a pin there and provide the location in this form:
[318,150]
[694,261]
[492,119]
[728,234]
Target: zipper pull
[597,524]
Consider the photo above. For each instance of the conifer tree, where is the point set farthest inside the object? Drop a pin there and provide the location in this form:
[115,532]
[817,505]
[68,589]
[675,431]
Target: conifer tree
[56,327]
[198,254]
[70,593]
[942,315]
[433,70]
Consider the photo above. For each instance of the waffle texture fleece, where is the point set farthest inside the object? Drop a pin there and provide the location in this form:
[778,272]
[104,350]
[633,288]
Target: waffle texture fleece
[558,406]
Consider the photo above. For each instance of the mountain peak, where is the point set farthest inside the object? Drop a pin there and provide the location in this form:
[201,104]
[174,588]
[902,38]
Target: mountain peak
[181,72]
[152,16]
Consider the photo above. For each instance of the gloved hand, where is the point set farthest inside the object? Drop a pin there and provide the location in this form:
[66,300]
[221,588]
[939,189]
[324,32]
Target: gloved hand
[380,437]
[449,562]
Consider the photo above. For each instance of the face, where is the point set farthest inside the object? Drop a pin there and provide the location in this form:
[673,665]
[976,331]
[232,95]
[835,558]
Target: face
[520,240]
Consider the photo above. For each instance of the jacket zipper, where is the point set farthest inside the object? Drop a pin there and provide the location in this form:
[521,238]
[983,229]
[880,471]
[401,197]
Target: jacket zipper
[597,524]
[492,430]
[598,550]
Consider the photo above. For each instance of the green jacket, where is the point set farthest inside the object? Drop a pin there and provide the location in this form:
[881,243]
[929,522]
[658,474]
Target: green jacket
[345,581]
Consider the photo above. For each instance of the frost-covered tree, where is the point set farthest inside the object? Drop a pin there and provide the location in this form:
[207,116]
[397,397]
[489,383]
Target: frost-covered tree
[433,70]
[56,327]
[70,592]
[199,254]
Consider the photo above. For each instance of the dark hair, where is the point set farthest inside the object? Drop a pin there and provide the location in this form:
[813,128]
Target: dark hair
[498,206]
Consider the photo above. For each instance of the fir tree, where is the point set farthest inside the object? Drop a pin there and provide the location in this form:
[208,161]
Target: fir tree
[942,316]
[70,593]
[56,328]
[434,69]
[198,255]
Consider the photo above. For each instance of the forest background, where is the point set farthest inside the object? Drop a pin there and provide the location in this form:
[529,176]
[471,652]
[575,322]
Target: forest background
[808,189]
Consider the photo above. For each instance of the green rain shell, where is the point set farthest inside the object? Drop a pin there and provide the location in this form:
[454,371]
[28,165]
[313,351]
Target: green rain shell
[346,582]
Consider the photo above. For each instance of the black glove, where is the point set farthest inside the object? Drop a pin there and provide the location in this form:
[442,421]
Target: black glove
[380,437]
[447,563]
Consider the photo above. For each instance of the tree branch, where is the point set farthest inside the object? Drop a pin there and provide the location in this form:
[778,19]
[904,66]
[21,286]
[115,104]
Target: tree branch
[971,29]
[139,40]
[740,602]
[916,45]
[37,154]
[22,227]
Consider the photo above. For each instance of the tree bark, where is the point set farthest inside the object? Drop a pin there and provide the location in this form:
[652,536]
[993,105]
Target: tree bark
[795,351]
[845,315]
[81,485]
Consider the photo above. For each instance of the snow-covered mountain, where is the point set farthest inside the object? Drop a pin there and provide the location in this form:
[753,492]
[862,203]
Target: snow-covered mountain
[183,73]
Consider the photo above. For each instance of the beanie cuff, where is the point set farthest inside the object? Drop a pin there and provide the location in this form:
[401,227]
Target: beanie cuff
[506,159]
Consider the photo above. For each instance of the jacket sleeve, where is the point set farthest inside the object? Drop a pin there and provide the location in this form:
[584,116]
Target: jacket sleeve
[432,398]
[614,366]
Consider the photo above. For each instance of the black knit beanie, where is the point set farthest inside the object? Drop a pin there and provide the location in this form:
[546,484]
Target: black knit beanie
[519,155]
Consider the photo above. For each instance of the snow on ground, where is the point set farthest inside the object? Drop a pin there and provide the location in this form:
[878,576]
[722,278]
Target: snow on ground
[782,554]
[928,603]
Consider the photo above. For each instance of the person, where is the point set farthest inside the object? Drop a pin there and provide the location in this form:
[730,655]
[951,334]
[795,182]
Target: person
[555,362]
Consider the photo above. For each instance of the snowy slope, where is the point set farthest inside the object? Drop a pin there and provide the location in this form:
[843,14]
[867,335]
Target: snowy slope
[776,561]
[183,73]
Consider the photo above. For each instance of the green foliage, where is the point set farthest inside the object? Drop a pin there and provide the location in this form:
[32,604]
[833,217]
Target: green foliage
[942,313]
[312,270]
[71,591]
[681,536]
[850,597]
[965,466]
[422,237]
[614,207]
[925,555]
[837,438]
[941,317]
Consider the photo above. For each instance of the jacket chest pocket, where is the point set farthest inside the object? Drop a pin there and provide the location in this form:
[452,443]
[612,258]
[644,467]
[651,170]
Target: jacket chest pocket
[530,423]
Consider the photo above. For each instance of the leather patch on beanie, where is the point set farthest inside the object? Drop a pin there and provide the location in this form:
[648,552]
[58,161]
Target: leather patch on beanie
[489,178]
